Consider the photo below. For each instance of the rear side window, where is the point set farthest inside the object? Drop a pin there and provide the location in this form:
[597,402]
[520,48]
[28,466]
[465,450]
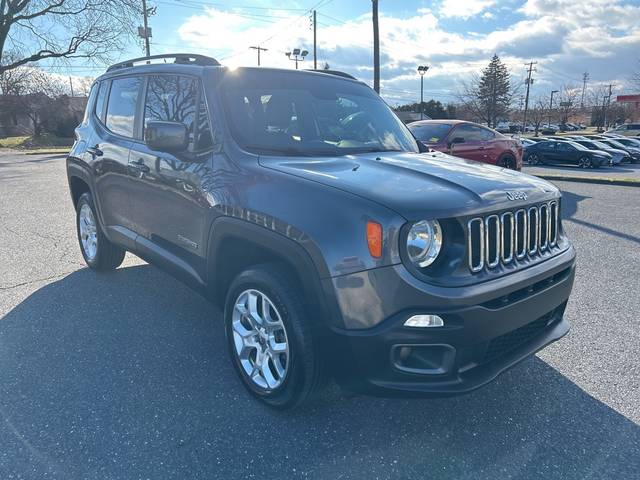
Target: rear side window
[101,100]
[430,132]
[121,109]
[92,97]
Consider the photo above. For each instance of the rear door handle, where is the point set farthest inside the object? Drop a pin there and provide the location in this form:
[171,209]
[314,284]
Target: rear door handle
[140,165]
[95,151]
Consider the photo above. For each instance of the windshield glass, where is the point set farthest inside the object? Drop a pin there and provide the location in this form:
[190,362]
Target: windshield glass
[430,132]
[296,114]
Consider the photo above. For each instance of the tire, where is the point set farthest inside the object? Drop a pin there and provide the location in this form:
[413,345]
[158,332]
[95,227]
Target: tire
[302,364]
[98,252]
[533,159]
[507,161]
[585,162]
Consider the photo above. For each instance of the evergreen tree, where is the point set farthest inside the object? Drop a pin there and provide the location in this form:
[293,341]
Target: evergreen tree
[493,92]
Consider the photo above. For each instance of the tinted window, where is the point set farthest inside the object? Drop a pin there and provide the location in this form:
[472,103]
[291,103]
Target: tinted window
[470,133]
[172,98]
[298,114]
[101,100]
[430,132]
[204,137]
[487,134]
[91,99]
[122,105]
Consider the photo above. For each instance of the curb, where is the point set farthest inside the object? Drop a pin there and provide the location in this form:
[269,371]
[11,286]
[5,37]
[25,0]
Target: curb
[46,152]
[626,182]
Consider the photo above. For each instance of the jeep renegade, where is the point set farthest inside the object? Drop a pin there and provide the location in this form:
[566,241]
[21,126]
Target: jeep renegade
[335,243]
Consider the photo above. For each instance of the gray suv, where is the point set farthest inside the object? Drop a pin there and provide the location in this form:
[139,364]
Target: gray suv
[337,246]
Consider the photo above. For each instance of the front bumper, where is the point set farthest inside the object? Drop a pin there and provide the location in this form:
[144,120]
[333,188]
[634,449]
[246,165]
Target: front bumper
[488,328]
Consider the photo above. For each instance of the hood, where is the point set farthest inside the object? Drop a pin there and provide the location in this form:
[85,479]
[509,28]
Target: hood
[607,153]
[420,185]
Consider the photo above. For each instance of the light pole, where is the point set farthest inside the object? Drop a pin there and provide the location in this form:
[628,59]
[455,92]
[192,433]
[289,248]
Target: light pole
[298,56]
[551,105]
[422,69]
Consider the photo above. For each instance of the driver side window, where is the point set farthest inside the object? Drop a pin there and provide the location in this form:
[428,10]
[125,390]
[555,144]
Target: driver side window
[172,98]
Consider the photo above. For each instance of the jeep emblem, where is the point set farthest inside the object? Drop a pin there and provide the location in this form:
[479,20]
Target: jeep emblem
[516,195]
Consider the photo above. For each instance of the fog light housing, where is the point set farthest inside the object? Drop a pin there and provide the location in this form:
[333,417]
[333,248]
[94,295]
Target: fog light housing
[424,321]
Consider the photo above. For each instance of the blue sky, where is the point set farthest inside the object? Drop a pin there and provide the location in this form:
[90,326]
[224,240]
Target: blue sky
[455,37]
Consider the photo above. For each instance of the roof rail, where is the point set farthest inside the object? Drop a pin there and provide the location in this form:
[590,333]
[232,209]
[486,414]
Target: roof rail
[181,58]
[337,73]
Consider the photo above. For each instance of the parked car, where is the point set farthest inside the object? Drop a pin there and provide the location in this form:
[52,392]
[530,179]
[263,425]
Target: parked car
[613,143]
[549,129]
[470,141]
[628,129]
[334,242]
[617,155]
[559,151]
[633,147]
[526,142]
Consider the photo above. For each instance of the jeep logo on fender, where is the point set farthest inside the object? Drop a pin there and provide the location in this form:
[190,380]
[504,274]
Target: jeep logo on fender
[516,195]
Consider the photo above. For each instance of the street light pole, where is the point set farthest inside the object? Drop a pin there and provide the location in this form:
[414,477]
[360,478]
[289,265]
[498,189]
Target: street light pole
[298,55]
[259,49]
[551,105]
[422,69]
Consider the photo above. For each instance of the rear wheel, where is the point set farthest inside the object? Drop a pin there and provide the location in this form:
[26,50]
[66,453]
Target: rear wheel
[98,252]
[273,346]
[585,162]
[507,161]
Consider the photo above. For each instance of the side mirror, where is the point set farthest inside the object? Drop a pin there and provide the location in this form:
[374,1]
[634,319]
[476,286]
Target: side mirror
[456,140]
[422,148]
[166,136]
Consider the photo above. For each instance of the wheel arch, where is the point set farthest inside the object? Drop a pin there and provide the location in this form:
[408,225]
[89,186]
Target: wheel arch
[236,244]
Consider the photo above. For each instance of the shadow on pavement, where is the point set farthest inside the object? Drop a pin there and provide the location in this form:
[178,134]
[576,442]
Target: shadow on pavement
[570,205]
[126,375]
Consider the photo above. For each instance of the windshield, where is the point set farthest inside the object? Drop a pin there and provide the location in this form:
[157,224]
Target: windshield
[430,132]
[302,114]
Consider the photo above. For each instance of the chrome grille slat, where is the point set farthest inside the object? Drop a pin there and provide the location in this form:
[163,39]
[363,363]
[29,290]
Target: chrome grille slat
[512,236]
[492,242]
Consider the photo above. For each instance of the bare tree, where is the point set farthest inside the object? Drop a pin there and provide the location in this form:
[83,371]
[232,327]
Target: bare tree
[34,30]
[538,112]
[568,102]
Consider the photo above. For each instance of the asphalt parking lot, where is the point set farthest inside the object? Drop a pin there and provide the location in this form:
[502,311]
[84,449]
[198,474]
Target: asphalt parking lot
[126,375]
[621,171]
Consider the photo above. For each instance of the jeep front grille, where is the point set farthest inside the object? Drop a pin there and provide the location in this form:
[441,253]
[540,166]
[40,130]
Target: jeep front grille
[511,236]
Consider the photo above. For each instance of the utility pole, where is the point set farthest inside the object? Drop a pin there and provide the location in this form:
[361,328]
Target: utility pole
[147,33]
[259,49]
[551,104]
[529,81]
[71,85]
[585,77]
[376,48]
[315,49]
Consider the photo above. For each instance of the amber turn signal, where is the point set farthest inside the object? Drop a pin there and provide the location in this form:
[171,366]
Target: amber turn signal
[374,238]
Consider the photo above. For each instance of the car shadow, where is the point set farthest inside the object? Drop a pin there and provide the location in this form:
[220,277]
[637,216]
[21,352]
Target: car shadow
[126,375]
[570,205]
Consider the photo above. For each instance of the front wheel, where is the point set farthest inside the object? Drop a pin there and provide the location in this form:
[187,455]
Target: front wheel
[585,162]
[271,341]
[98,252]
[534,159]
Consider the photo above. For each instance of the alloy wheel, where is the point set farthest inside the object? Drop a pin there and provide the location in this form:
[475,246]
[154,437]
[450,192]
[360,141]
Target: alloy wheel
[260,339]
[584,162]
[88,232]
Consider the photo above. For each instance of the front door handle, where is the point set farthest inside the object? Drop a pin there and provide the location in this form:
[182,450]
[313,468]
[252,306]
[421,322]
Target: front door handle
[140,165]
[95,151]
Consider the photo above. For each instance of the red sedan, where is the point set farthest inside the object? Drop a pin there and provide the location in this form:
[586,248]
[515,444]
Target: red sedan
[469,140]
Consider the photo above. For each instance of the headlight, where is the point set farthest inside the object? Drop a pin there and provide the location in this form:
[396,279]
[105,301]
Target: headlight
[424,242]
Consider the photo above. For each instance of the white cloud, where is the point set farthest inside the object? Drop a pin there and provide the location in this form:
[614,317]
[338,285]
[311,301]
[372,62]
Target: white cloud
[464,8]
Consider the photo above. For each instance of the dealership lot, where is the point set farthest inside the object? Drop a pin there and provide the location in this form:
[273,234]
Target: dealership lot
[126,375]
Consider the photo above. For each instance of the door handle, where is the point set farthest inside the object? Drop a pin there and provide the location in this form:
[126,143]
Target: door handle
[481,148]
[95,151]
[140,165]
